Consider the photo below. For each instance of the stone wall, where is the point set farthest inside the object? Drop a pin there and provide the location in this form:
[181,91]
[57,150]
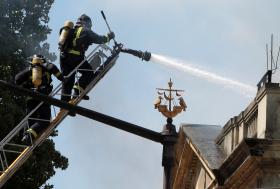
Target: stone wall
[261,119]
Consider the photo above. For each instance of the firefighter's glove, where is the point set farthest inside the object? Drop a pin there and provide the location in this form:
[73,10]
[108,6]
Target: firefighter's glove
[111,35]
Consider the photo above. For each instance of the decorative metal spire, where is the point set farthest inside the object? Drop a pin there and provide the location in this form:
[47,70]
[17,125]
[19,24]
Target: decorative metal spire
[165,101]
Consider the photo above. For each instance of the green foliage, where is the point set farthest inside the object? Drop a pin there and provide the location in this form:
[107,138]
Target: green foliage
[23,32]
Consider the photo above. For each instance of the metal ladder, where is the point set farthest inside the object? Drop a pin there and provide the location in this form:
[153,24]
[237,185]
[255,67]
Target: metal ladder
[12,153]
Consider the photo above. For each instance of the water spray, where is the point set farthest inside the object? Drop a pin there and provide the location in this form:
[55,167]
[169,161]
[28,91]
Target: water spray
[244,89]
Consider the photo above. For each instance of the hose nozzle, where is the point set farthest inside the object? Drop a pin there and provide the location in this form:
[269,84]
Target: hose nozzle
[146,55]
[140,54]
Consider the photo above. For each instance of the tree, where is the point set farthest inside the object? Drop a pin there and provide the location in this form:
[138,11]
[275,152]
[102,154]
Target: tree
[23,32]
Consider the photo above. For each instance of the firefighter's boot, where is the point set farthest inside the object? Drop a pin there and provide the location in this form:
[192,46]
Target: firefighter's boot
[77,92]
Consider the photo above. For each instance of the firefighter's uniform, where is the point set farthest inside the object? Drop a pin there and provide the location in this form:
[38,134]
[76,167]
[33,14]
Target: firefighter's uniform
[74,54]
[40,119]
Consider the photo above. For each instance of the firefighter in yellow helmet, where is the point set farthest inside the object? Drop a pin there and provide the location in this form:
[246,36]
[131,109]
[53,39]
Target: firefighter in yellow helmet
[72,53]
[37,77]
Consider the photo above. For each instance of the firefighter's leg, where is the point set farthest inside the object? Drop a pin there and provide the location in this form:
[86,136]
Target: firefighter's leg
[67,65]
[67,89]
[44,119]
[33,122]
[87,76]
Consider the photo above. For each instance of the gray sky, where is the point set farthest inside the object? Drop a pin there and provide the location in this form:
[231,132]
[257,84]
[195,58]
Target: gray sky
[224,37]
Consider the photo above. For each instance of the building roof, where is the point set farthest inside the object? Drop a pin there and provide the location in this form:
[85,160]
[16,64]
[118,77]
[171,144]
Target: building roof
[203,139]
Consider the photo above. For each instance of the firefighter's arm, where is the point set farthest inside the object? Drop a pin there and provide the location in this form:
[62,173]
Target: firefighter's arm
[98,39]
[22,77]
[55,71]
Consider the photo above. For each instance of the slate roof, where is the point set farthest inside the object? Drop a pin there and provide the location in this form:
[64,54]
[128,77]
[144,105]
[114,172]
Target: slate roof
[203,139]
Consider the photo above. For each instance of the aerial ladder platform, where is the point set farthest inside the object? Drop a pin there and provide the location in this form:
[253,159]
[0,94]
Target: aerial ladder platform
[12,153]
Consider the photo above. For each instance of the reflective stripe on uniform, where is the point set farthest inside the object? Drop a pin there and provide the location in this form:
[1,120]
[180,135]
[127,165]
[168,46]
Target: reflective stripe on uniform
[57,74]
[29,98]
[31,131]
[74,52]
[77,36]
[78,87]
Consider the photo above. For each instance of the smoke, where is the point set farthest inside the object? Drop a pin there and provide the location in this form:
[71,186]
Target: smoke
[244,89]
